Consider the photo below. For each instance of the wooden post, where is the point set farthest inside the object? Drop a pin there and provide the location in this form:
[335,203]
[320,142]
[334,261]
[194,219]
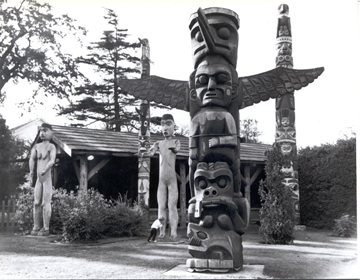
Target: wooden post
[144,134]
[182,195]
[56,174]
[83,173]
[2,214]
[247,184]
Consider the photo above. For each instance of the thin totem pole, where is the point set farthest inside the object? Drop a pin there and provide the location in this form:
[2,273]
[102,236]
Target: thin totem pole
[218,214]
[144,133]
[285,110]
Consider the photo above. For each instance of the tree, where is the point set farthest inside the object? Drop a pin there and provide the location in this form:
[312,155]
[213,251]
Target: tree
[103,100]
[12,171]
[30,48]
[249,131]
[276,213]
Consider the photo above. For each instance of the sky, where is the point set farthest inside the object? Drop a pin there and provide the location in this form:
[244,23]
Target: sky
[325,34]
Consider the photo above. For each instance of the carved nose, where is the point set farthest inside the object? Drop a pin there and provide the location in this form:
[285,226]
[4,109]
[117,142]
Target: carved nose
[212,83]
[210,192]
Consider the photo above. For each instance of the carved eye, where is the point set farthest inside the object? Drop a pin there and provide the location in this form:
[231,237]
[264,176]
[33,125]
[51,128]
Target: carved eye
[222,78]
[202,183]
[199,37]
[224,33]
[222,182]
[145,123]
[203,80]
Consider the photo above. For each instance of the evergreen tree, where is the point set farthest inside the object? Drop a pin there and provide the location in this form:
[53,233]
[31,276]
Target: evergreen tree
[103,100]
[276,213]
[30,48]
[12,171]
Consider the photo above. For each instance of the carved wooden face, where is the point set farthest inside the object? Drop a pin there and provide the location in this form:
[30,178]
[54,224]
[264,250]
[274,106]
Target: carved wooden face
[286,148]
[285,122]
[213,184]
[167,127]
[45,133]
[284,48]
[213,85]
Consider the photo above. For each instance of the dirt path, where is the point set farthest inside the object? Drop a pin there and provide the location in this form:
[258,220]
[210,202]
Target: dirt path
[314,254]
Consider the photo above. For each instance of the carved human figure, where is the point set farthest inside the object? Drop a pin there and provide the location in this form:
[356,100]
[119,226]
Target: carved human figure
[44,155]
[167,194]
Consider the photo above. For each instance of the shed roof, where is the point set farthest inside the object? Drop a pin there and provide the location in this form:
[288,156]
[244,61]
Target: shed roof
[74,140]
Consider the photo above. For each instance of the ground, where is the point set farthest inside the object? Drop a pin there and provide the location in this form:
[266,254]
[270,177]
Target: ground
[314,254]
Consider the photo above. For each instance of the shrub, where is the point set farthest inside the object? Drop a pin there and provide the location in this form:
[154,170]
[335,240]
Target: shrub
[276,213]
[85,215]
[345,226]
[327,180]
[23,216]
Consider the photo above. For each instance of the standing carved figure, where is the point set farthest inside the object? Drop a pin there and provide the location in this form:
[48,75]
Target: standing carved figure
[167,194]
[218,212]
[44,155]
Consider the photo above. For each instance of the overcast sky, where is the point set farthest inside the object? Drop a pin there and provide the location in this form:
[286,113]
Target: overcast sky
[325,33]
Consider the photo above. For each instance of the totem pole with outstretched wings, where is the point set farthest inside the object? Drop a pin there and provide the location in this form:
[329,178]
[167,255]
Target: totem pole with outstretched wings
[218,213]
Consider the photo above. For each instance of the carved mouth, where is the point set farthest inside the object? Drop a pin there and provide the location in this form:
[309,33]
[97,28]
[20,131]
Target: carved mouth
[211,95]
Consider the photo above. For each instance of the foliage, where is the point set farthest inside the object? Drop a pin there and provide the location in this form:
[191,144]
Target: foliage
[249,131]
[327,179]
[12,172]
[345,226]
[23,216]
[103,100]
[30,47]
[276,213]
[84,215]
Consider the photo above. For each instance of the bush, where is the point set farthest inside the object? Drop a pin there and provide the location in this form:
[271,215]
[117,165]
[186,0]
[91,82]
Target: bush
[84,216]
[345,226]
[327,180]
[23,216]
[277,217]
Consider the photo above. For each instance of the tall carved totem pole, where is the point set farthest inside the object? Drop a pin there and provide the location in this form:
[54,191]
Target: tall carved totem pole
[218,213]
[144,133]
[285,110]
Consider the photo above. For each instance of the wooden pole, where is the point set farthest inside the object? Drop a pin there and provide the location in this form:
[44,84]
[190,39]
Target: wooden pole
[285,110]
[182,195]
[83,173]
[144,134]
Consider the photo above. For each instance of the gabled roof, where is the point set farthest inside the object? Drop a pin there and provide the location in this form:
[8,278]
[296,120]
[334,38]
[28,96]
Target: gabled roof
[27,131]
[74,140]
[30,123]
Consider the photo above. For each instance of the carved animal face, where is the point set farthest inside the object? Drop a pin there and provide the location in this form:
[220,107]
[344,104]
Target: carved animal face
[214,31]
[213,183]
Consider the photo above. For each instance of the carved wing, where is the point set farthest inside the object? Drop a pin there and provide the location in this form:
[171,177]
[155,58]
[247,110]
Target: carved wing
[171,93]
[275,83]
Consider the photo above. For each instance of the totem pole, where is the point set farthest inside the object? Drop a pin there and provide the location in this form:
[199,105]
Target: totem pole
[285,111]
[218,214]
[144,133]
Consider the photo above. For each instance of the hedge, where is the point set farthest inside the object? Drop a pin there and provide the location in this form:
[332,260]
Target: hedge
[327,180]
